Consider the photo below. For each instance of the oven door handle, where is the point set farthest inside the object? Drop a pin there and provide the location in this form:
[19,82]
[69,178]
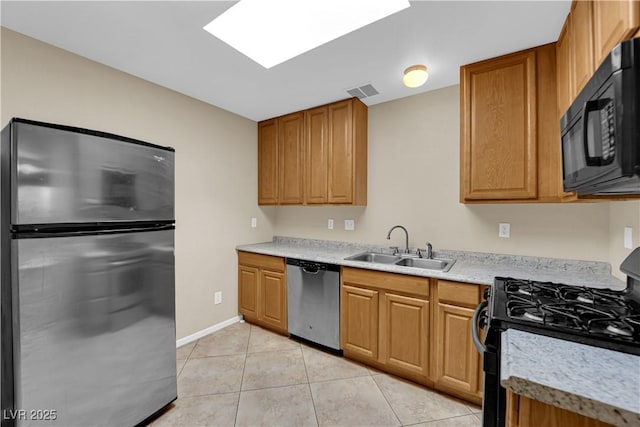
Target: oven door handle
[474,327]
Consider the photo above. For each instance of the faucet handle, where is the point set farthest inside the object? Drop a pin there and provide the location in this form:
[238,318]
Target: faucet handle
[396,250]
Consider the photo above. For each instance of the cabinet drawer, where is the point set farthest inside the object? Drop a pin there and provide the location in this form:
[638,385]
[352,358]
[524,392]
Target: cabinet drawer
[459,293]
[268,262]
[386,281]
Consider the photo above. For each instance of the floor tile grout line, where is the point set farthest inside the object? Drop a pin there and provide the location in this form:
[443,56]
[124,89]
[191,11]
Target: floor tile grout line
[313,403]
[387,400]
[438,419]
[244,365]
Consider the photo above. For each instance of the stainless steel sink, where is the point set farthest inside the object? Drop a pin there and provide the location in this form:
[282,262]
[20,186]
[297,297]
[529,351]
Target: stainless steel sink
[428,264]
[440,264]
[374,257]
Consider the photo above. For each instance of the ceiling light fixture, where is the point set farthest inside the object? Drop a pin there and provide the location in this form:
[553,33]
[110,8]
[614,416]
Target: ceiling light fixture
[415,76]
[274,31]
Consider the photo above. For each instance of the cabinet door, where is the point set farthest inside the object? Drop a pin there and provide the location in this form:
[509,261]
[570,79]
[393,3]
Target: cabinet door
[359,321]
[290,145]
[268,162]
[525,412]
[404,333]
[613,21]
[341,168]
[582,44]
[316,155]
[456,356]
[273,299]
[564,71]
[498,107]
[248,278]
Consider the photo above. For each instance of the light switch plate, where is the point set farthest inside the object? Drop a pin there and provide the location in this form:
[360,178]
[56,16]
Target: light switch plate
[504,230]
[254,222]
[349,224]
[330,224]
[628,238]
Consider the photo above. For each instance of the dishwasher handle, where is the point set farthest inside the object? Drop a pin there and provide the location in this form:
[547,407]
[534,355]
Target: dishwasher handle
[311,269]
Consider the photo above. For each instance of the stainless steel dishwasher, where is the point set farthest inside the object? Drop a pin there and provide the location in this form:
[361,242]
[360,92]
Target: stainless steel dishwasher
[313,300]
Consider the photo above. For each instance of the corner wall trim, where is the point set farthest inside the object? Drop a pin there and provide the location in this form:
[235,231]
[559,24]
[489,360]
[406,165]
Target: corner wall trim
[207,331]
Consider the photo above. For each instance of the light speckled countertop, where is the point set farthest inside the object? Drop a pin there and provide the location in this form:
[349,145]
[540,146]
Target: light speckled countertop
[592,381]
[470,267]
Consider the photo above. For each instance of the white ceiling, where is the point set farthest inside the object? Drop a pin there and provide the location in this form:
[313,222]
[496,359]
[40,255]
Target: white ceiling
[163,42]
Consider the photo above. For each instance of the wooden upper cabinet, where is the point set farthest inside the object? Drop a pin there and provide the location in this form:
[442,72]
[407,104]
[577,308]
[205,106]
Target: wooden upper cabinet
[498,128]
[316,155]
[564,69]
[268,179]
[582,43]
[341,153]
[509,129]
[320,156]
[613,22]
[290,146]
[347,183]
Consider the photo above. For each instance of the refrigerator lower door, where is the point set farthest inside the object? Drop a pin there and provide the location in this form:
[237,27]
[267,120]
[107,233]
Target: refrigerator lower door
[94,333]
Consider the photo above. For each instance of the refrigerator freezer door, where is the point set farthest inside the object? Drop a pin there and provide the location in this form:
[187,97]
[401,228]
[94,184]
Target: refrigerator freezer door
[63,176]
[95,335]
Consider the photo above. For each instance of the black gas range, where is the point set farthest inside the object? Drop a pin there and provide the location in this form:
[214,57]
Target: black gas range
[598,317]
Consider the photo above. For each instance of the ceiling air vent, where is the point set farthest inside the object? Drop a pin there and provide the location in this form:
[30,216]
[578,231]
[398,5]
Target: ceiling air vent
[363,91]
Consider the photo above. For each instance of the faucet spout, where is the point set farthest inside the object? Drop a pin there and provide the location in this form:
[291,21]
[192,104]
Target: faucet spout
[406,234]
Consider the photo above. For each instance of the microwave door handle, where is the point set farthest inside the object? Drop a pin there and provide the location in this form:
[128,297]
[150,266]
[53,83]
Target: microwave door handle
[590,106]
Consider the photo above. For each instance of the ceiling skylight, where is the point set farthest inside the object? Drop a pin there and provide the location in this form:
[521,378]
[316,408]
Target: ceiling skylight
[273,31]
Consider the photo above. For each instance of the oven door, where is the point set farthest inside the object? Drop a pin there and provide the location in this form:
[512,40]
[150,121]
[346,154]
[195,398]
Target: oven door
[494,399]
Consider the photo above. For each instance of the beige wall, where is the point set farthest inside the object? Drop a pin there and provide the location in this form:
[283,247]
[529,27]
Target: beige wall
[413,181]
[621,215]
[214,202]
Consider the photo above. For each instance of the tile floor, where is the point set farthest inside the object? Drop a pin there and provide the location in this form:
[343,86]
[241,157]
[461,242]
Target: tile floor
[244,375]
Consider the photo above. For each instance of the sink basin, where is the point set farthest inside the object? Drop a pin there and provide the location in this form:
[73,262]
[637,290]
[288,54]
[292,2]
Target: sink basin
[374,257]
[440,264]
[428,264]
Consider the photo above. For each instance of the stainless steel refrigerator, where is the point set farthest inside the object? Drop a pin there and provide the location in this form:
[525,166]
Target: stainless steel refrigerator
[87,266]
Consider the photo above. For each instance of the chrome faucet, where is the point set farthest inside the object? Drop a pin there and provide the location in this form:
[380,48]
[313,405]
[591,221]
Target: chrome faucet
[406,233]
[429,251]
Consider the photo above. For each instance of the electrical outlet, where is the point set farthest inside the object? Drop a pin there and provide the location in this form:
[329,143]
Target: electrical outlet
[628,238]
[218,297]
[349,224]
[504,230]
[254,222]
[330,224]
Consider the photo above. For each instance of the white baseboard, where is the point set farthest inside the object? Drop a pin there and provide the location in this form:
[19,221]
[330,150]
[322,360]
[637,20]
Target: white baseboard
[207,331]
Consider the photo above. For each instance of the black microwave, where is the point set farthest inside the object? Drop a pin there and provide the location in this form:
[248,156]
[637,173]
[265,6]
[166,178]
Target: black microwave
[601,130]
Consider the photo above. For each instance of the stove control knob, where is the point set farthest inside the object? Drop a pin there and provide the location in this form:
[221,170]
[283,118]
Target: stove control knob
[482,321]
[486,294]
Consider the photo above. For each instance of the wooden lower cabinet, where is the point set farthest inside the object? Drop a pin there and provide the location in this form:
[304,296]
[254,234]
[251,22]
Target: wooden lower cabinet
[248,278]
[359,321]
[525,412]
[273,299]
[458,365]
[385,321]
[262,290]
[405,333]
